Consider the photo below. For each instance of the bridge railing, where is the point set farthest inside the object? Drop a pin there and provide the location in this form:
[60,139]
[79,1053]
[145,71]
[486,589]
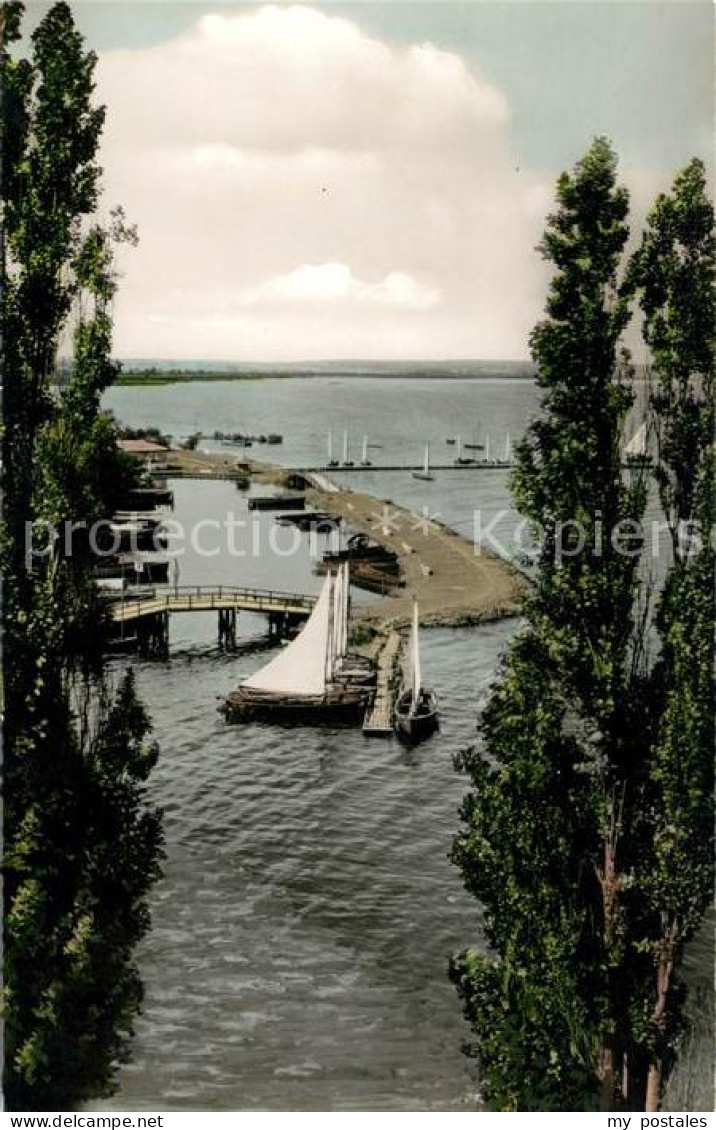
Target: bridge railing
[199,596]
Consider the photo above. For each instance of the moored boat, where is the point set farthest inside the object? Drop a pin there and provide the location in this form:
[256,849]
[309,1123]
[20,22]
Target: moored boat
[312,680]
[416,710]
[636,452]
[425,473]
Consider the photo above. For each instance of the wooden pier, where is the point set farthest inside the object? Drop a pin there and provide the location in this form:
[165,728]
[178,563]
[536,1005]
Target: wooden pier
[378,721]
[497,465]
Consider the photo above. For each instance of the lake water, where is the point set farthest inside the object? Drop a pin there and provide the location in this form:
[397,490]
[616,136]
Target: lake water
[302,932]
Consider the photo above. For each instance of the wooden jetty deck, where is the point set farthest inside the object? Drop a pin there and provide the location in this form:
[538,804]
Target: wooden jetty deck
[498,465]
[216,598]
[378,721]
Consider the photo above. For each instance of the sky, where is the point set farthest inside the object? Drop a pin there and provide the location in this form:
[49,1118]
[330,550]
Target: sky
[370,179]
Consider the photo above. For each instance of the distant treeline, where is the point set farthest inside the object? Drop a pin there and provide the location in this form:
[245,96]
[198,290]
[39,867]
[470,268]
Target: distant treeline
[174,376]
[161,376]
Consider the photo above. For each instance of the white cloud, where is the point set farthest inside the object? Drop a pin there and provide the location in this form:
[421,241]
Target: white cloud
[334,282]
[303,189]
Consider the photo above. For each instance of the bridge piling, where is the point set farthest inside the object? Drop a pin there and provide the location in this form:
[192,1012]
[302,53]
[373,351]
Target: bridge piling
[227,629]
[153,636]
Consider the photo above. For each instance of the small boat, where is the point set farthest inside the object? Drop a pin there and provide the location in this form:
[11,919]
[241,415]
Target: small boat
[425,473]
[636,451]
[278,502]
[476,445]
[346,462]
[450,442]
[331,461]
[416,709]
[460,459]
[365,461]
[305,520]
[310,680]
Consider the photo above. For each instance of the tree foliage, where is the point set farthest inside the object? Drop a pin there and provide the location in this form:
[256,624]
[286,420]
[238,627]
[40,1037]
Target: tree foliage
[673,275]
[82,843]
[586,834]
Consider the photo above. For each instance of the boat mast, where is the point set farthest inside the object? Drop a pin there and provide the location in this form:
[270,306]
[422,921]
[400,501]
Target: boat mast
[426,468]
[416,657]
[330,447]
[508,449]
[346,607]
[487,449]
[365,449]
[459,448]
[329,652]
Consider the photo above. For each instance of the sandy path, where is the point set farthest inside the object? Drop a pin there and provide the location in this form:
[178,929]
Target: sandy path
[452,581]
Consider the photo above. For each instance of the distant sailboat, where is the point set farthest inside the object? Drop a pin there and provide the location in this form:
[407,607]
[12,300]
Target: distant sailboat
[487,449]
[636,450]
[331,461]
[460,459]
[306,682]
[365,461]
[416,711]
[346,462]
[425,473]
[508,450]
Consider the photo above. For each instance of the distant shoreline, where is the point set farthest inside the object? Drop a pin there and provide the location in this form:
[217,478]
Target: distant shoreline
[157,377]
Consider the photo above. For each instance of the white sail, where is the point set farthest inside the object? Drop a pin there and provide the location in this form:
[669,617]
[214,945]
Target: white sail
[365,449]
[331,642]
[302,667]
[637,444]
[339,621]
[330,447]
[345,447]
[415,658]
[426,465]
[508,449]
[459,447]
[487,448]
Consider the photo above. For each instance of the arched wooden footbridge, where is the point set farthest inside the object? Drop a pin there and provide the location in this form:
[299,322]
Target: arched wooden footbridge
[145,618]
[211,598]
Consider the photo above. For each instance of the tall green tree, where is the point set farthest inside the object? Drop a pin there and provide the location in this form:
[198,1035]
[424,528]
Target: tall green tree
[82,843]
[673,273]
[550,803]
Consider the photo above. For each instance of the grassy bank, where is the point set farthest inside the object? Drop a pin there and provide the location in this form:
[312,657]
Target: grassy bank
[154,377]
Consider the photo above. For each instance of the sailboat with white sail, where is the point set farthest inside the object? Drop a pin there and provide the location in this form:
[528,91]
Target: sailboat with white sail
[309,681]
[364,460]
[416,710]
[346,462]
[460,459]
[425,473]
[636,450]
[331,461]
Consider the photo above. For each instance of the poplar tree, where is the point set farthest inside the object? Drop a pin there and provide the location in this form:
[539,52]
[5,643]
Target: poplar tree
[588,833]
[673,275]
[82,843]
[544,823]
